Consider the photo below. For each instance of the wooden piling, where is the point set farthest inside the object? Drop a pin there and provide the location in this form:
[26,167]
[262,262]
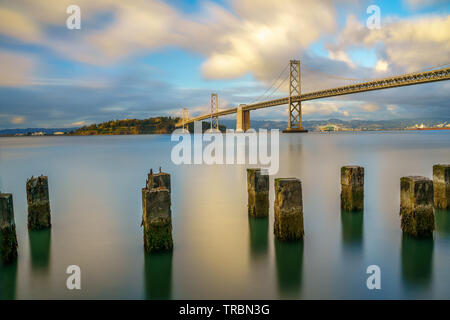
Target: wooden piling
[38,203]
[416,206]
[352,188]
[258,193]
[288,209]
[156,215]
[441,185]
[8,237]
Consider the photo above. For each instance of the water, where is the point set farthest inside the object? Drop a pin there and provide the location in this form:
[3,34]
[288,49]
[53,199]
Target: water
[219,252]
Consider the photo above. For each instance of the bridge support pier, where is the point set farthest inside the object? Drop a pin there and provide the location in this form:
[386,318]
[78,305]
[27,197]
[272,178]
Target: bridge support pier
[416,206]
[8,238]
[352,188]
[288,209]
[258,193]
[441,186]
[242,120]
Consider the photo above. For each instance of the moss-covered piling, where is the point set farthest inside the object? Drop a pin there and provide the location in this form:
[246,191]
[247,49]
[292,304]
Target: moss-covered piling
[8,237]
[38,203]
[156,215]
[441,185]
[288,209]
[258,193]
[416,206]
[352,188]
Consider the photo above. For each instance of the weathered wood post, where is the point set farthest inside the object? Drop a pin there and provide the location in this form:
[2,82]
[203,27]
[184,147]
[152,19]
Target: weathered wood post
[441,185]
[288,209]
[38,203]
[156,215]
[160,179]
[8,238]
[352,188]
[258,193]
[416,206]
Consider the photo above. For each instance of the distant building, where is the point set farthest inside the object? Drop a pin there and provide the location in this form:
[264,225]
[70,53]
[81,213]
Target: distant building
[58,133]
[329,127]
[40,133]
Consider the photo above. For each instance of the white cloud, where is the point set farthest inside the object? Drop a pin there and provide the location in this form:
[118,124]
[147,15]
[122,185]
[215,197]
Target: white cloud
[407,44]
[382,66]
[256,36]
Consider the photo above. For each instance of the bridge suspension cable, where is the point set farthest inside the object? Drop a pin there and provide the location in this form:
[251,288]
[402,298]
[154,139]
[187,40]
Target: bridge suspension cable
[271,86]
[270,96]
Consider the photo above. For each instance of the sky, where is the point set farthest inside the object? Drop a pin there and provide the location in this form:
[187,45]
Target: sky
[145,58]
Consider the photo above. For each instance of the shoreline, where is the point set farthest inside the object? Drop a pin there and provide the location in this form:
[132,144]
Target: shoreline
[152,134]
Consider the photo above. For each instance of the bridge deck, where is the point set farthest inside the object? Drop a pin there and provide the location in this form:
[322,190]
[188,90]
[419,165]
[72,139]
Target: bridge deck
[385,83]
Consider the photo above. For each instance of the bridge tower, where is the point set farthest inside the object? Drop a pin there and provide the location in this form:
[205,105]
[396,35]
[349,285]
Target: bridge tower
[185,118]
[295,107]
[242,119]
[214,109]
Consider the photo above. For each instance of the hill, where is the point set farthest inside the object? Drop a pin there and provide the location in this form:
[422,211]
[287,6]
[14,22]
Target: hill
[157,125]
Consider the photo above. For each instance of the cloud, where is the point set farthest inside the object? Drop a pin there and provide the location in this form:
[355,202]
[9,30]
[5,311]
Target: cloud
[405,44]
[324,108]
[370,107]
[18,120]
[114,108]
[16,69]
[16,25]
[255,36]
[263,39]
[251,38]
[382,66]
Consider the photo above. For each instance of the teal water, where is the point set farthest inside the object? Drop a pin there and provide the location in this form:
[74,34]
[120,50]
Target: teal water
[220,253]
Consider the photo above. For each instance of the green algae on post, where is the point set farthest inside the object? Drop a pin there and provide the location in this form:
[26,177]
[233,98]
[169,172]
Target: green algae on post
[8,237]
[38,203]
[258,193]
[352,188]
[288,209]
[441,185]
[156,215]
[416,206]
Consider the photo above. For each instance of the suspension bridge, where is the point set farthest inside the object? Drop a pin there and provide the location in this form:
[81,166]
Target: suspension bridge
[295,98]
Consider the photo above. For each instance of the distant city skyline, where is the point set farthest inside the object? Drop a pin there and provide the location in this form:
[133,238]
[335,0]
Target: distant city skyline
[145,58]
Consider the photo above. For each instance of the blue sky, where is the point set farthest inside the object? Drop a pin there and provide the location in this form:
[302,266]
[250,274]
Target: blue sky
[143,58]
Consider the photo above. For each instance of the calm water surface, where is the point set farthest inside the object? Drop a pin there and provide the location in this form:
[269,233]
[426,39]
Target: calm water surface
[219,252]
